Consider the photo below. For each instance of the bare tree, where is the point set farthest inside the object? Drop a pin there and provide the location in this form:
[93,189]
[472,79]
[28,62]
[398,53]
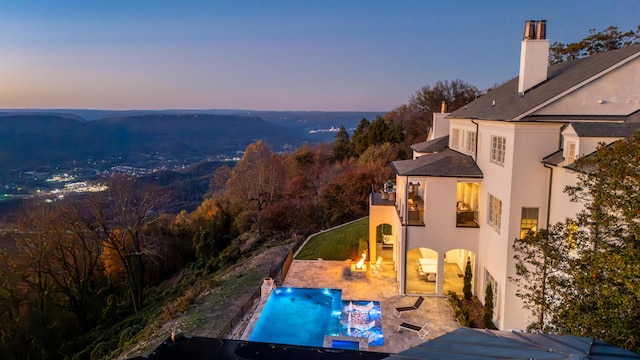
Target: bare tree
[119,219]
[428,100]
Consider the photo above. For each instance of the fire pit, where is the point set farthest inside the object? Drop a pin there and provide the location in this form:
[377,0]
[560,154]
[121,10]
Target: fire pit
[360,267]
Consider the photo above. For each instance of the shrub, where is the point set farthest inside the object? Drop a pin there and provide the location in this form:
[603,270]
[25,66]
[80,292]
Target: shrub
[101,351]
[127,336]
[186,300]
[169,311]
[460,310]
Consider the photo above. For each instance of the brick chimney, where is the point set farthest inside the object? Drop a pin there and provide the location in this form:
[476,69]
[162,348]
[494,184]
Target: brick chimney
[534,55]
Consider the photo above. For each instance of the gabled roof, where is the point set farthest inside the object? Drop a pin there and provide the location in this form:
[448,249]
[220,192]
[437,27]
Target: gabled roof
[465,343]
[447,163]
[598,129]
[509,104]
[432,146]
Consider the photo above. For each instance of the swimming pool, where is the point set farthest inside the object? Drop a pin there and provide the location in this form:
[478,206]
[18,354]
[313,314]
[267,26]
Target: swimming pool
[303,316]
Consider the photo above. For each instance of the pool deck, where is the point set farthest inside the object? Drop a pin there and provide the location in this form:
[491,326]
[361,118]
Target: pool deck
[329,274]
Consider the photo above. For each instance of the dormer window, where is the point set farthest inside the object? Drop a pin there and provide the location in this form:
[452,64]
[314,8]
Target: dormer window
[571,152]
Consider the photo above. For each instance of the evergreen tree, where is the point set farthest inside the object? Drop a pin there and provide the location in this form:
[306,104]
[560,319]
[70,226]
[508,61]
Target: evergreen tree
[342,147]
[360,139]
[487,314]
[466,289]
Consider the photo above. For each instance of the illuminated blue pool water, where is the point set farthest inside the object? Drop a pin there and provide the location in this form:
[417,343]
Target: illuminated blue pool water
[300,316]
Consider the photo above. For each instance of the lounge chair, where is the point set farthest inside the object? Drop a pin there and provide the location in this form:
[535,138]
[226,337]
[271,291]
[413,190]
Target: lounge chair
[399,310]
[422,331]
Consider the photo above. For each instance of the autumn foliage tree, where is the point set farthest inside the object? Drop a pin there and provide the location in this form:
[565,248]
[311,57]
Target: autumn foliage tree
[608,39]
[346,197]
[214,235]
[254,183]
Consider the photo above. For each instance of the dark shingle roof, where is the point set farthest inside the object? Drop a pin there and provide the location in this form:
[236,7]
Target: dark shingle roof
[554,159]
[465,343]
[432,146]
[509,104]
[598,129]
[448,163]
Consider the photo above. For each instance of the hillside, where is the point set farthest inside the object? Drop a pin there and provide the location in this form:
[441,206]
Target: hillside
[31,141]
[193,133]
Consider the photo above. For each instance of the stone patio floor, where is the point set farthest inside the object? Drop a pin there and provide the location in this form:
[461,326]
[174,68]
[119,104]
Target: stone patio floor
[329,274]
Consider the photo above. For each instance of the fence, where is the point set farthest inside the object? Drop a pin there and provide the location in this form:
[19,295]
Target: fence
[278,273]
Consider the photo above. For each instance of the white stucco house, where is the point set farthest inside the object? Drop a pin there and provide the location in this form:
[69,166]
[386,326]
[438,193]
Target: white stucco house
[496,168]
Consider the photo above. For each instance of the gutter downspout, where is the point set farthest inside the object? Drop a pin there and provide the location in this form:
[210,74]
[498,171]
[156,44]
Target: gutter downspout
[564,126]
[403,277]
[549,194]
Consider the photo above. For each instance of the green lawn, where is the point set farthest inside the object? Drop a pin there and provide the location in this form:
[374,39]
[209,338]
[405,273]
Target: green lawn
[336,244]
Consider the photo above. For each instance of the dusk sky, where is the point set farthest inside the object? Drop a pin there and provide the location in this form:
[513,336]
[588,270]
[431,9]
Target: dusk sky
[328,55]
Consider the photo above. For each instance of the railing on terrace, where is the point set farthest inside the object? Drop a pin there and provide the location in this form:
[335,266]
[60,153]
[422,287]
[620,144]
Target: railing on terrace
[467,219]
[415,215]
[277,273]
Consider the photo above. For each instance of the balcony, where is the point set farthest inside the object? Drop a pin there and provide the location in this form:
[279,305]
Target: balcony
[467,204]
[415,215]
[466,218]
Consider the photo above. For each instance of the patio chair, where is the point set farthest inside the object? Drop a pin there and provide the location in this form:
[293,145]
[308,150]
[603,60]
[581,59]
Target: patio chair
[371,336]
[399,310]
[377,267]
[366,326]
[361,308]
[422,331]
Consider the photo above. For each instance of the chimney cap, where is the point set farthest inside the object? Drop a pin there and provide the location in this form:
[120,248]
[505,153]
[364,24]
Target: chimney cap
[535,30]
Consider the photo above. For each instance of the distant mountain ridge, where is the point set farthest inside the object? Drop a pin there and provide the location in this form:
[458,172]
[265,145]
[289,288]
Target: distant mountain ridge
[31,139]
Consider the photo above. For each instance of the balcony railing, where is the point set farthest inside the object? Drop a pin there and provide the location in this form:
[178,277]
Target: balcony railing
[467,218]
[415,217]
[415,213]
